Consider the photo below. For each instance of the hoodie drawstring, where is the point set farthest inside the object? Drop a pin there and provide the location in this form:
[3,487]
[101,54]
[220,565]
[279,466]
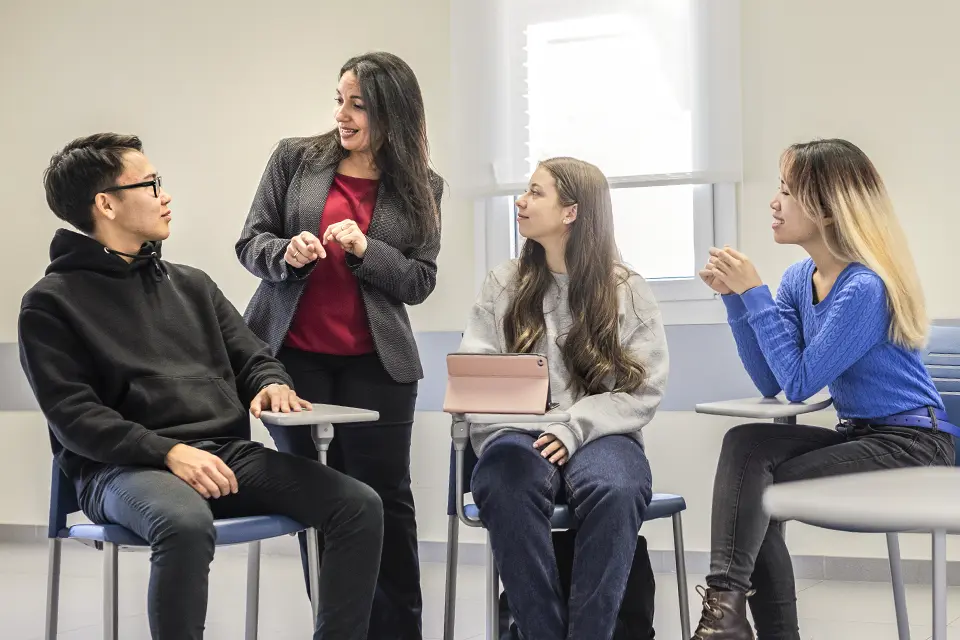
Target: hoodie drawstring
[159,269]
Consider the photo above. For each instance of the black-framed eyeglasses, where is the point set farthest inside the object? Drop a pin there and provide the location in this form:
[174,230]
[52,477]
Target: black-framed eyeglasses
[156,183]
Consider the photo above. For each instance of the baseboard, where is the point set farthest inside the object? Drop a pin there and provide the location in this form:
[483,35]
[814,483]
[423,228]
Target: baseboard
[698,562]
[22,533]
[841,569]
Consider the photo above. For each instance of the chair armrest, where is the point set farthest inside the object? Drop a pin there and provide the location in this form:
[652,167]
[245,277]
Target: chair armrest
[320,414]
[765,408]
[460,432]
[460,429]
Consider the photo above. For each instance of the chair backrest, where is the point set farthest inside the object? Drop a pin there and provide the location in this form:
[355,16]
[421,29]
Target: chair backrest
[469,462]
[942,359]
[63,501]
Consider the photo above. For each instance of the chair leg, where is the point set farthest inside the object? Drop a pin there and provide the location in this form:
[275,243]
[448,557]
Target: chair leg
[493,596]
[110,600]
[899,591]
[940,585]
[53,590]
[313,569]
[253,591]
[680,555]
[450,592]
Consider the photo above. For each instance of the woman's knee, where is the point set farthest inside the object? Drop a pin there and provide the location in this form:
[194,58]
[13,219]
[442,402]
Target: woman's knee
[614,470]
[508,468]
[744,438]
[620,493]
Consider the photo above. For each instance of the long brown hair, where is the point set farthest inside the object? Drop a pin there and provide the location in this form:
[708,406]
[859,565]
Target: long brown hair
[839,188]
[591,350]
[398,137]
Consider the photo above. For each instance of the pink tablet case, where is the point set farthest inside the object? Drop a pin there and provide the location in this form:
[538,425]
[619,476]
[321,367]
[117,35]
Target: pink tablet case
[497,383]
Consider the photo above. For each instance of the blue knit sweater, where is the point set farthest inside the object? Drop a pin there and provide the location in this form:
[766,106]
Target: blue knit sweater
[842,343]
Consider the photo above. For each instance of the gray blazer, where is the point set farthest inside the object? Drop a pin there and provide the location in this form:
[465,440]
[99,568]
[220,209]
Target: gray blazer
[392,273]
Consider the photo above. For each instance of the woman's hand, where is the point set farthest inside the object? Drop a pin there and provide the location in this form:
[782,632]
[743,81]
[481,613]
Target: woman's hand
[710,276]
[304,249]
[348,235]
[553,449]
[734,269]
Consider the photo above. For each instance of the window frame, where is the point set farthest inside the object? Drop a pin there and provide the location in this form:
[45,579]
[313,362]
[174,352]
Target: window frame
[682,300]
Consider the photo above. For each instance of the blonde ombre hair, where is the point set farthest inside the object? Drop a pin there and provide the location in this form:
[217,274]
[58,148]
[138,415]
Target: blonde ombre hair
[838,187]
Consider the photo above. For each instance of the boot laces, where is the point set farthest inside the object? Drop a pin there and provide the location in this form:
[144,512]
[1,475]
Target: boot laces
[711,609]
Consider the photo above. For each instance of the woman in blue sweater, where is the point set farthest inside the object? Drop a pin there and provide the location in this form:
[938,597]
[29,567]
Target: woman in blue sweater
[850,317]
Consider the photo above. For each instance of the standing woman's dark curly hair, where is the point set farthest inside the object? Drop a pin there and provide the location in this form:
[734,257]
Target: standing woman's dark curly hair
[398,136]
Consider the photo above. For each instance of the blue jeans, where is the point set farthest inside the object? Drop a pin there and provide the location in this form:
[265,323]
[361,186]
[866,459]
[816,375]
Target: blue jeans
[607,485]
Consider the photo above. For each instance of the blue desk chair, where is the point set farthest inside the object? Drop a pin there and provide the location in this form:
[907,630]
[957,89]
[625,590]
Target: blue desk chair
[462,462]
[942,359]
[249,530]
[109,538]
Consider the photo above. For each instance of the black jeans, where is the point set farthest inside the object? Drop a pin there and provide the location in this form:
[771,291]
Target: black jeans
[178,523]
[748,549]
[377,454]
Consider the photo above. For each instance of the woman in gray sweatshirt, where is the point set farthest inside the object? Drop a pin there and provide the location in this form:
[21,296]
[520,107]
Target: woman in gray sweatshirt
[570,298]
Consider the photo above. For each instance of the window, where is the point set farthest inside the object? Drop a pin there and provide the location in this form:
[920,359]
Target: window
[648,90]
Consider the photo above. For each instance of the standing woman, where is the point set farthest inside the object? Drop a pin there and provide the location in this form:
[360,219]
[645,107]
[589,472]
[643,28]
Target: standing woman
[344,231]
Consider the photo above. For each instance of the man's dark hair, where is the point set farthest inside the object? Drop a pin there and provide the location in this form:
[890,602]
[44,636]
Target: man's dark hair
[80,171]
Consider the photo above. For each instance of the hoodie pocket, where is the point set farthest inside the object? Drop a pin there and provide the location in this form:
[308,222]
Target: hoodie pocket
[159,402]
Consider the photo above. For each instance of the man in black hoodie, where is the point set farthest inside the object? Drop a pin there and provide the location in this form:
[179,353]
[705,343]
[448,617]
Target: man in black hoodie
[145,373]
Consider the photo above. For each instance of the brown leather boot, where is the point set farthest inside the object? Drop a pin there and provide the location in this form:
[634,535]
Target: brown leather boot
[724,616]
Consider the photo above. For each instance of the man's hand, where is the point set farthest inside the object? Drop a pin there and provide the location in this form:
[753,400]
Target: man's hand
[304,249]
[278,397]
[553,449]
[205,472]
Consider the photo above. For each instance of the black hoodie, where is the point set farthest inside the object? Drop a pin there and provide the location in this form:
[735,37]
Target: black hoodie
[127,360]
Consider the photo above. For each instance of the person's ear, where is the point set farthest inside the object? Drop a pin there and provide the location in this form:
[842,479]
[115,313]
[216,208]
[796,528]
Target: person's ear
[103,205]
[570,215]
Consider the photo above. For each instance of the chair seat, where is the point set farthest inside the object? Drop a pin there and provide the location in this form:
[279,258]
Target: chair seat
[229,531]
[662,505]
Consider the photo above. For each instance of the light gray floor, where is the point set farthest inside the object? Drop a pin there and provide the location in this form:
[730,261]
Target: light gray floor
[828,610]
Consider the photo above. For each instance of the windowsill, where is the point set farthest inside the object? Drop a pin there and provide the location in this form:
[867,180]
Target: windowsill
[693,312]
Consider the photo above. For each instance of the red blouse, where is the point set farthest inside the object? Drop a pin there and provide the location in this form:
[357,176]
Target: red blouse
[331,318]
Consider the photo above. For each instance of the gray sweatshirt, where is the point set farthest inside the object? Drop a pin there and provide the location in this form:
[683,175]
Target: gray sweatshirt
[591,417]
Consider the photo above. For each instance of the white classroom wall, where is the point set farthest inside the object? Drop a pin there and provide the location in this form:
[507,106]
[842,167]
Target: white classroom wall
[211,96]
